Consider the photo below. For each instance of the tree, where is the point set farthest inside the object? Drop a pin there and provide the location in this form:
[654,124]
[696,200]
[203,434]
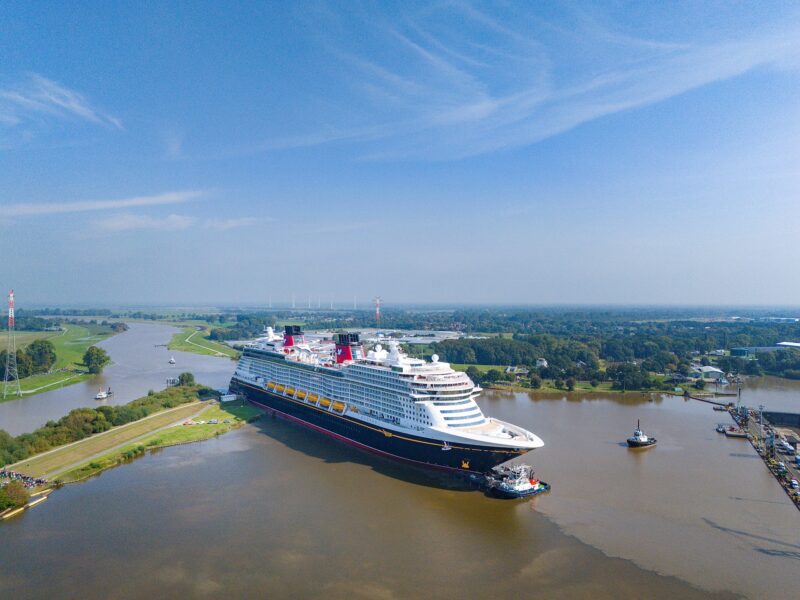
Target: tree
[536,381]
[559,383]
[493,375]
[42,354]
[185,379]
[571,383]
[95,359]
[700,384]
[13,495]
[473,373]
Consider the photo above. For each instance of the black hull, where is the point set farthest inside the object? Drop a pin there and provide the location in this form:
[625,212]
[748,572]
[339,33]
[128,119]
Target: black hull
[405,447]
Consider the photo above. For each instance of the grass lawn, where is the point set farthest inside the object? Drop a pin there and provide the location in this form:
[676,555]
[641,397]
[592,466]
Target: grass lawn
[193,340]
[70,345]
[236,413]
[481,368]
[64,456]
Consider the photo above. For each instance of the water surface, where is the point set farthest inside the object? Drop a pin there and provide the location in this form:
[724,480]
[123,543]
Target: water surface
[140,363]
[272,510]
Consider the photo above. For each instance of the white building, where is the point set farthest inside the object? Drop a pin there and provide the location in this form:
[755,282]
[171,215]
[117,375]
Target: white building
[541,362]
[706,372]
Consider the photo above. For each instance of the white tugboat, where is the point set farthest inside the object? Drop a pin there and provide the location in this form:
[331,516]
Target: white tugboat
[516,481]
[639,439]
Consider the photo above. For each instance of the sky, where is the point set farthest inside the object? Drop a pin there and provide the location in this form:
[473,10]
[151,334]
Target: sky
[427,152]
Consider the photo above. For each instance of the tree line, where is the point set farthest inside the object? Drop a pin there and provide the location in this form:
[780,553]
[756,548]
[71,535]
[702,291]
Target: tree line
[84,422]
[38,357]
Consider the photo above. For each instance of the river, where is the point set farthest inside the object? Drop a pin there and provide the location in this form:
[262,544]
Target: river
[272,510]
[140,363]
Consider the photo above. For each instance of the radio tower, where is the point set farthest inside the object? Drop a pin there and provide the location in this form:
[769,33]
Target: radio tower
[11,379]
[377,300]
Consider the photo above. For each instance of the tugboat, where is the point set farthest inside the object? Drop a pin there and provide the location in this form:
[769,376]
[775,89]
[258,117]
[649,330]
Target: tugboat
[103,394]
[721,428]
[516,481]
[639,439]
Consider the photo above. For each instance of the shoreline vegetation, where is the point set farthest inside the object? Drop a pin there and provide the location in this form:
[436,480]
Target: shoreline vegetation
[66,364]
[176,415]
[195,339]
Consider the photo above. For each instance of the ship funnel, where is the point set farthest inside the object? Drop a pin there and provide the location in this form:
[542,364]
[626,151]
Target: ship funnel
[292,336]
[348,347]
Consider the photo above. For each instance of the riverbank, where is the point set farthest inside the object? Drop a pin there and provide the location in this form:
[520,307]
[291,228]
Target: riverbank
[212,421]
[75,462]
[192,339]
[70,345]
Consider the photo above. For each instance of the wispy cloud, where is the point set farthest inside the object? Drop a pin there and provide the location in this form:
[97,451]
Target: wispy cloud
[226,224]
[37,98]
[451,81]
[129,222]
[173,222]
[27,209]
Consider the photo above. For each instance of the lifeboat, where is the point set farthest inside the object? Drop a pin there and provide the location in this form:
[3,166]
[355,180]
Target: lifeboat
[339,406]
[301,394]
[280,388]
[312,398]
[324,402]
[290,391]
[271,385]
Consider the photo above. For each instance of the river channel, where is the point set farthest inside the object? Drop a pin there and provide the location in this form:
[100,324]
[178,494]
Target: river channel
[140,363]
[272,510]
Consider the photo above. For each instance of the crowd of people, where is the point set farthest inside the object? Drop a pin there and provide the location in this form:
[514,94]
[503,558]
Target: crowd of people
[26,480]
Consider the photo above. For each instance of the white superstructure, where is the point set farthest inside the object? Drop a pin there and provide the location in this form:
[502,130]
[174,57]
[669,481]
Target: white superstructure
[383,387]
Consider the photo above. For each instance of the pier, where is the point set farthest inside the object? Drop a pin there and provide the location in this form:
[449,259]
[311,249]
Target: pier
[762,435]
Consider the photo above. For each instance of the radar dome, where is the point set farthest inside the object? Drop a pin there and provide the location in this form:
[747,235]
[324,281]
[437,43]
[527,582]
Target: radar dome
[378,347]
[435,358]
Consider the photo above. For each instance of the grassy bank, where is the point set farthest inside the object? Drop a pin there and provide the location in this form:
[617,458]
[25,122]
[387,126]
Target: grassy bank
[227,416]
[53,462]
[193,340]
[70,345]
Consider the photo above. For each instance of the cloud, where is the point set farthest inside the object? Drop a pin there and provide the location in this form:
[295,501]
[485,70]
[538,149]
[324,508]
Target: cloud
[27,209]
[38,98]
[173,222]
[226,224]
[129,222]
[453,82]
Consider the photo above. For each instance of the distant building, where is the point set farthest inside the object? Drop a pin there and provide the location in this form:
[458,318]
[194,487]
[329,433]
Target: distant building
[719,352]
[517,372]
[541,363]
[706,372]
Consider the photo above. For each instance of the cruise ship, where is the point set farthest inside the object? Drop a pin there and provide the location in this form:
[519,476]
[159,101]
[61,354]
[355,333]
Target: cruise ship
[382,401]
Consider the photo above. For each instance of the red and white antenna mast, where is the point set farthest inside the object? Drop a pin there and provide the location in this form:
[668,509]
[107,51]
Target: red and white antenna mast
[11,378]
[377,300]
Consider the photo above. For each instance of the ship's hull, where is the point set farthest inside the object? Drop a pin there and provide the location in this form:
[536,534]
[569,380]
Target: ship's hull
[425,452]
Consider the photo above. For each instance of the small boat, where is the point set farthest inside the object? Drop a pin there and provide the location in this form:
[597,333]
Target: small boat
[172,360]
[735,433]
[516,481]
[639,439]
[721,428]
[721,408]
[101,395]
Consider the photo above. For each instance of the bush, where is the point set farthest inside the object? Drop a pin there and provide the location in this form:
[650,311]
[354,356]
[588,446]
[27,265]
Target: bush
[13,495]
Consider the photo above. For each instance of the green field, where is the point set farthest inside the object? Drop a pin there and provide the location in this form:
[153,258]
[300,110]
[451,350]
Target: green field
[70,345]
[237,414]
[481,368]
[193,340]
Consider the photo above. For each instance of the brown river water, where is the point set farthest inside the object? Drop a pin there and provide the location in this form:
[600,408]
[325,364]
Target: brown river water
[272,510]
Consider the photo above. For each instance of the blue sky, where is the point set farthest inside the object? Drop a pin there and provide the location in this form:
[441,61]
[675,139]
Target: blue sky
[425,152]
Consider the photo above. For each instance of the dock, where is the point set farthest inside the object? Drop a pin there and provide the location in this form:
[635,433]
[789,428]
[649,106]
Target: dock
[757,432]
